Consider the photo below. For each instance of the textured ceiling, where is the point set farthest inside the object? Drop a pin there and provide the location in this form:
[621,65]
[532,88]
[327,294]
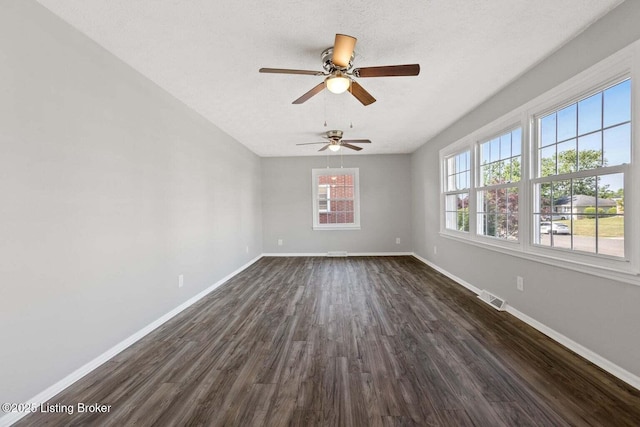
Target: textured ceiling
[207,54]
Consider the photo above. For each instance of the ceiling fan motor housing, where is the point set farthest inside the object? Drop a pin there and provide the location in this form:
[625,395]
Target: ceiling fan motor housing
[335,135]
[328,64]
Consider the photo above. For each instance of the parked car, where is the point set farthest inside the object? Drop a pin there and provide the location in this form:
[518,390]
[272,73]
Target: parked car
[556,217]
[547,227]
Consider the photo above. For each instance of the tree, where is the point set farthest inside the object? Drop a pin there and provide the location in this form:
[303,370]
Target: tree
[501,205]
[501,172]
[570,161]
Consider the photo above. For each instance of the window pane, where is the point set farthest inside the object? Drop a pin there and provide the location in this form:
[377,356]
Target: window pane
[590,151]
[617,104]
[567,159]
[451,219]
[548,130]
[451,182]
[507,171]
[516,142]
[498,213]
[548,161]
[458,171]
[466,181]
[585,206]
[485,174]
[495,150]
[451,165]
[590,114]
[541,236]
[617,145]
[611,235]
[457,211]
[511,214]
[503,163]
[610,215]
[505,146]
[335,196]
[561,196]
[544,199]
[516,169]
[567,123]
[485,153]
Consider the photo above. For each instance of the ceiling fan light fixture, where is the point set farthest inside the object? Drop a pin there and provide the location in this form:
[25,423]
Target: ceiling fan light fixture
[334,147]
[338,83]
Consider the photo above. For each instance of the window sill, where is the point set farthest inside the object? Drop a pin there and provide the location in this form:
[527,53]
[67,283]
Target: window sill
[336,228]
[622,271]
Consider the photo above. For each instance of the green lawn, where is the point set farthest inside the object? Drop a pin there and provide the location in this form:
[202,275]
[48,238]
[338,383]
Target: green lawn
[607,226]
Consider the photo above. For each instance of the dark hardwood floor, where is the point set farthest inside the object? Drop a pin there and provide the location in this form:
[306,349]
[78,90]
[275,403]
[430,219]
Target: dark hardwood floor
[358,341]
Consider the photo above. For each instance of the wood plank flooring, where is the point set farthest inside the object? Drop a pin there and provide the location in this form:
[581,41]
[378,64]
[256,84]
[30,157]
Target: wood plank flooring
[358,341]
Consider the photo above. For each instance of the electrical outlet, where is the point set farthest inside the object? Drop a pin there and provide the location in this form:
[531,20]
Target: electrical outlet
[181,280]
[435,250]
[397,240]
[280,243]
[520,283]
[246,249]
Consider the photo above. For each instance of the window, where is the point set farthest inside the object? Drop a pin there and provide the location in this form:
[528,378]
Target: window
[554,179]
[500,170]
[458,168]
[336,199]
[582,153]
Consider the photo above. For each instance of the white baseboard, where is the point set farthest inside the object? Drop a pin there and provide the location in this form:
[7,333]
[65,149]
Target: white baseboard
[324,254]
[615,370]
[595,358]
[464,283]
[291,254]
[56,388]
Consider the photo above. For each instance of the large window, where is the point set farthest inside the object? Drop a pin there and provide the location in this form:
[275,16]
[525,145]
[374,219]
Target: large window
[500,170]
[582,150]
[336,199]
[458,180]
[555,179]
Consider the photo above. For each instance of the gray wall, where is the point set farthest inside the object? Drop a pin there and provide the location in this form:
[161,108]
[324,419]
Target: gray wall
[110,188]
[600,314]
[385,205]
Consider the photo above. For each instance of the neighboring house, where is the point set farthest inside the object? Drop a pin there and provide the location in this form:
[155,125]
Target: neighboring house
[577,204]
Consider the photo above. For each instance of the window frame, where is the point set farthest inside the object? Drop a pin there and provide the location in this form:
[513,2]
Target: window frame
[446,191]
[624,64]
[315,175]
[480,187]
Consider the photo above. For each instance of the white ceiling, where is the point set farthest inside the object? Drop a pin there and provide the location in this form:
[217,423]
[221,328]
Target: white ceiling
[207,54]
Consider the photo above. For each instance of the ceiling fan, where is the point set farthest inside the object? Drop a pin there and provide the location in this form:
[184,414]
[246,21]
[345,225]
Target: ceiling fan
[335,141]
[337,62]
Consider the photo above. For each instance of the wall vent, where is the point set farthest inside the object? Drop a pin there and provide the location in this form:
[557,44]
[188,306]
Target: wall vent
[494,301]
[337,253]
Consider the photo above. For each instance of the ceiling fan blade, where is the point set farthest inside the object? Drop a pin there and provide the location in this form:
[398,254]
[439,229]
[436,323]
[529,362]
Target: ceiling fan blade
[356,141]
[343,50]
[361,94]
[289,71]
[388,71]
[312,143]
[353,147]
[317,89]
[325,147]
